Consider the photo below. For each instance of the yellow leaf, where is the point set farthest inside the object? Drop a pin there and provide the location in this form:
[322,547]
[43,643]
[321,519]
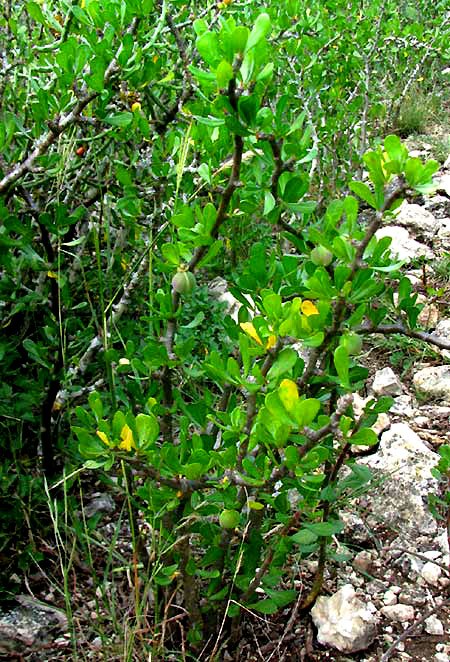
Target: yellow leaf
[124,264]
[103,437]
[51,274]
[126,435]
[250,330]
[83,4]
[255,505]
[308,308]
[271,341]
[288,393]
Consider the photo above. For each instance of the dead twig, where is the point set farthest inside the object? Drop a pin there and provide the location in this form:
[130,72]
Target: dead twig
[410,630]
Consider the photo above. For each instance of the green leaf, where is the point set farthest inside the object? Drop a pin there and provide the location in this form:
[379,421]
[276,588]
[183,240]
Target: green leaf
[209,121]
[248,108]
[341,364]
[304,537]
[207,46]
[364,192]
[35,12]
[96,79]
[96,405]
[193,471]
[286,360]
[295,188]
[198,319]
[394,148]
[298,123]
[224,73]
[171,254]
[269,203]
[305,411]
[264,606]
[239,39]
[147,427]
[261,29]
[315,340]
[364,437]
[266,74]
[206,77]
[275,406]
[325,528]
[211,253]
[35,352]
[121,119]
[281,598]
[200,26]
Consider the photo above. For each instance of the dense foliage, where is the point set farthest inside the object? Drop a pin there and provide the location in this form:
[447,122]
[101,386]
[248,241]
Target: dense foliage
[145,148]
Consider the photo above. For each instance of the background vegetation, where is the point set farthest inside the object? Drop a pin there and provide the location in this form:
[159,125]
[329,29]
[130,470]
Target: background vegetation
[143,139]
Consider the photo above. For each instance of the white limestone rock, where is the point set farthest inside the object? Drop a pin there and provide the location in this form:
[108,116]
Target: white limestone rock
[344,621]
[403,406]
[403,463]
[403,245]
[431,573]
[26,624]
[443,184]
[433,625]
[386,383]
[398,613]
[442,331]
[419,219]
[389,598]
[433,382]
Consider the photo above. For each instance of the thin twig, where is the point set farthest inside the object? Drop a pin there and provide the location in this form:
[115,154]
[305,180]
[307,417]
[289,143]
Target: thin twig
[411,629]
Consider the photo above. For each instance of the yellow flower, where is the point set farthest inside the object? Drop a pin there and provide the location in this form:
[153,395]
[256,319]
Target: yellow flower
[271,341]
[250,330]
[126,435]
[308,308]
[103,437]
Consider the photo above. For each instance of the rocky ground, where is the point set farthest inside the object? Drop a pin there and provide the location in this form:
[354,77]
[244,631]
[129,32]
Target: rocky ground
[391,599]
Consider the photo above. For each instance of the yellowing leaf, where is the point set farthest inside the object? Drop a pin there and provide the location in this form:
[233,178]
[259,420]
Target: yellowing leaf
[126,435]
[271,341]
[124,264]
[103,437]
[51,274]
[288,393]
[250,330]
[308,308]
[255,505]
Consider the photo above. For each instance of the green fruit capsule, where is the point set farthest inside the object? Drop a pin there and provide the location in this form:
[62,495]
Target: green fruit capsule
[352,342]
[183,282]
[229,519]
[321,256]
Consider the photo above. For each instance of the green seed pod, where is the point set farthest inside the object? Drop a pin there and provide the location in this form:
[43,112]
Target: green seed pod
[183,282]
[229,519]
[352,342]
[321,256]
